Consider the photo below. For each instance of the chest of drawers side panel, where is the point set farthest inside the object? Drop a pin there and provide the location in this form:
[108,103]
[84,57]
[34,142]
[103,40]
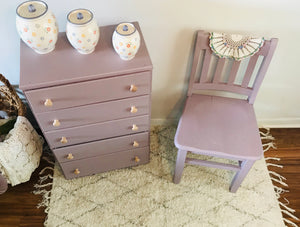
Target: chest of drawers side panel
[150,99]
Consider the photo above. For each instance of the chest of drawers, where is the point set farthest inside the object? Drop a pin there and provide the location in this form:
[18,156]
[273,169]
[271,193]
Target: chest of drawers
[94,110]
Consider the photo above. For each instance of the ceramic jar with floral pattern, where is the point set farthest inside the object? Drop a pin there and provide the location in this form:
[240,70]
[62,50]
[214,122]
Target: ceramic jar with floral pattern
[37,26]
[126,40]
[82,30]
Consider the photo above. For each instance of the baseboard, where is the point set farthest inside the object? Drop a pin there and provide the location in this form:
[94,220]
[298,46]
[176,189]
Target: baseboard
[279,123]
[262,123]
[162,121]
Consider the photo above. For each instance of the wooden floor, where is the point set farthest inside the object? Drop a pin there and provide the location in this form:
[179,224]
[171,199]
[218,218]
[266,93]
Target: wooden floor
[18,204]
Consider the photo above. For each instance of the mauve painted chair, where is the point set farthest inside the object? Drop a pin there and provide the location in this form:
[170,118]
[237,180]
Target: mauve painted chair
[220,126]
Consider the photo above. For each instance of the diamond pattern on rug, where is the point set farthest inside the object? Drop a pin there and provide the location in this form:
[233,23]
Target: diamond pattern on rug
[146,196]
[163,216]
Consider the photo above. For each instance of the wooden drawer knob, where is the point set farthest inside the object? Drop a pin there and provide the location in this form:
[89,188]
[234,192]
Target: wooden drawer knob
[133,109]
[63,140]
[136,159]
[133,88]
[48,103]
[135,144]
[70,156]
[134,127]
[76,171]
[56,123]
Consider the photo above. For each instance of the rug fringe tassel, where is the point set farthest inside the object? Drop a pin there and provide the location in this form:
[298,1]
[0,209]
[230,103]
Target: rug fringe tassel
[279,191]
[43,170]
[46,199]
[277,175]
[42,187]
[48,160]
[278,178]
[276,165]
[266,135]
[288,211]
[267,146]
[290,214]
[272,158]
[44,178]
[279,181]
[290,222]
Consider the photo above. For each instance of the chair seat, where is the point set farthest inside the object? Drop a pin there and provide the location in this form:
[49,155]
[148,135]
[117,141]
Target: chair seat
[217,126]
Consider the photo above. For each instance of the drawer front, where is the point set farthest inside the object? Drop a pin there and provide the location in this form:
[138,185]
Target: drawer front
[102,163]
[95,113]
[89,92]
[87,133]
[102,147]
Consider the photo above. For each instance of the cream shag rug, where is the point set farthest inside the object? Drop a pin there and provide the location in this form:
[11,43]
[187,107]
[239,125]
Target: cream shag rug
[146,196]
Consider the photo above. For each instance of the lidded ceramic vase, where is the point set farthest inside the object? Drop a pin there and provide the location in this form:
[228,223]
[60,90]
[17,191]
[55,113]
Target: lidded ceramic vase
[37,26]
[82,30]
[126,40]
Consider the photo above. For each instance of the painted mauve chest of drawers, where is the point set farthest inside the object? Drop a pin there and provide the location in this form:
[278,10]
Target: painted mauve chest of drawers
[94,110]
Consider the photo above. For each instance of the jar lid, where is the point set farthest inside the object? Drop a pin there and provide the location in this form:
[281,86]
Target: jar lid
[80,16]
[32,9]
[125,28]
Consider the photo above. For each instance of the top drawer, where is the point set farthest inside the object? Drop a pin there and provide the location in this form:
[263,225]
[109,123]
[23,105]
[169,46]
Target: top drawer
[78,94]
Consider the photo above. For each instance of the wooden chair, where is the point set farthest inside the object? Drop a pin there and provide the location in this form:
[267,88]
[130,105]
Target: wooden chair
[220,126]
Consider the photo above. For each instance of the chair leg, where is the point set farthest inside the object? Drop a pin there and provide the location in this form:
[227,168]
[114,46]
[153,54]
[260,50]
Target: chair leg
[181,155]
[240,175]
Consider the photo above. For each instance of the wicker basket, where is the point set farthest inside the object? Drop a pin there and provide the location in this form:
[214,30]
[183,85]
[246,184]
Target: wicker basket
[9,100]
[22,146]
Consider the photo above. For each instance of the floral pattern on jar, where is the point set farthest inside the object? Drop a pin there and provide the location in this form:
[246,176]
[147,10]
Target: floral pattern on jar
[37,26]
[126,41]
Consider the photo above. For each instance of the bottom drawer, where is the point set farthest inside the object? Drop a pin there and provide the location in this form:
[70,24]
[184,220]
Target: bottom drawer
[98,164]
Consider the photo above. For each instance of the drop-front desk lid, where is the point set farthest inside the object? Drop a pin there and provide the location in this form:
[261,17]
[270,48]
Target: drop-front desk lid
[65,65]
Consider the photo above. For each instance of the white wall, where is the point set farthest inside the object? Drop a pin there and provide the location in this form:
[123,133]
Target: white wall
[168,27]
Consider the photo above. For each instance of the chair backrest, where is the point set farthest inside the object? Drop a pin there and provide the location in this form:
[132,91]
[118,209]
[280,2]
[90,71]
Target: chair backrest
[212,73]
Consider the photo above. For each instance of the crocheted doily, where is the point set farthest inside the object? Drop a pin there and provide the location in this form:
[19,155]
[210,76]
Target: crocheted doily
[20,152]
[234,46]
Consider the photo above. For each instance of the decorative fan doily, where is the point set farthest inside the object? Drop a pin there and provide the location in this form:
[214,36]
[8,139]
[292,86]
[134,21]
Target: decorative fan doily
[234,46]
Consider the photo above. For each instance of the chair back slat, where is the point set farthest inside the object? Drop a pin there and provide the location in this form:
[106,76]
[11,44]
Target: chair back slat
[271,45]
[249,71]
[205,68]
[233,72]
[219,70]
[240,75]
[195,61]
[264,50]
